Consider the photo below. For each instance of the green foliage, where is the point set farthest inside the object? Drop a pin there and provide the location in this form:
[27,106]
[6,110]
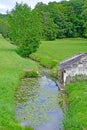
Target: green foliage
[75,116]
[84,16]
[54,71]
[49,29]
[65,16]
[4,26]
[30,74]
[24,29]
[11,66]
[55,20]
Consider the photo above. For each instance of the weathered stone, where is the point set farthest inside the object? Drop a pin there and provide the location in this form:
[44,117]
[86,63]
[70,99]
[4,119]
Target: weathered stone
[76,65]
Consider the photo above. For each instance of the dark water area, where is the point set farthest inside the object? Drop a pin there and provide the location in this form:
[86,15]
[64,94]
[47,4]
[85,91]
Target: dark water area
[37,104]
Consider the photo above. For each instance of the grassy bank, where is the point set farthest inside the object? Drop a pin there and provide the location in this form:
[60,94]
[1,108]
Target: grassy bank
[51,53]
[76,115]
[11,66]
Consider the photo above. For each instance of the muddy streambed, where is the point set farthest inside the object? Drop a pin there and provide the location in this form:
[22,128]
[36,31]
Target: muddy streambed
[37,104]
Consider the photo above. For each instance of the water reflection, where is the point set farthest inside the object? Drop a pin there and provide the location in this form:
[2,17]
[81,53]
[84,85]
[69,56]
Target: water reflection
[37,104]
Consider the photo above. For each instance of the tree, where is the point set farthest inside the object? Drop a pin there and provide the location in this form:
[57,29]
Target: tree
[3,25]
[75,16]
[56,11]
[84,16]
[24,29]
[49,28]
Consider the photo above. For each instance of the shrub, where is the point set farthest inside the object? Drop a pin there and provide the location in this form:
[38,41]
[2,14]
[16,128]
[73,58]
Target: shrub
[28,73]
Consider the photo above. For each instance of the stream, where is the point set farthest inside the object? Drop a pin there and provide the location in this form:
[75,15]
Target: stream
[37,104]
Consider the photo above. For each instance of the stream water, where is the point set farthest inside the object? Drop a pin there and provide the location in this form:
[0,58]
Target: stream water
[37,104]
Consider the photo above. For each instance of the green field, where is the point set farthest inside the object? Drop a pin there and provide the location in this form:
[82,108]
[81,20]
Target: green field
[58,50]
[11,66]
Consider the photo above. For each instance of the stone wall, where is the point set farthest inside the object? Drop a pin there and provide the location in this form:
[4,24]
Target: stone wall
[76,69]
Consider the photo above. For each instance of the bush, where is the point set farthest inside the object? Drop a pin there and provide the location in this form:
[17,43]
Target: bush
[28,73]
[24,29]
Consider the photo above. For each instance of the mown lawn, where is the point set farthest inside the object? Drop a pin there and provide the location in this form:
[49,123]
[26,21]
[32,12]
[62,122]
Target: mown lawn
[50,53]
[11,66]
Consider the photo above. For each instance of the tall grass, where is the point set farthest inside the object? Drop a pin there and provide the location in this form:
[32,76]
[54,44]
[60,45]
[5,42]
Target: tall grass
[76,115]
[11,66]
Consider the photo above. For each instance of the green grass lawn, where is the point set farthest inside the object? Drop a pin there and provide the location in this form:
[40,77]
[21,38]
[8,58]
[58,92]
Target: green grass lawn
[76,115]
[50,53]
[11,66]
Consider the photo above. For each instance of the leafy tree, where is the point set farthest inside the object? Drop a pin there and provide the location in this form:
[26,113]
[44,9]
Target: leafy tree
[41,7]
[75,16]
[55,20]
[24,29]
[85,30]
[57,14]
[49,28]
[3,25]
[77,5]
[84,16]
[69,18]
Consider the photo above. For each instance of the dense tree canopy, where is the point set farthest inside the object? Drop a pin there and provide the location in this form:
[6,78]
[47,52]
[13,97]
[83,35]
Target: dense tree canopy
[64,19]
[4,25]
[68,16]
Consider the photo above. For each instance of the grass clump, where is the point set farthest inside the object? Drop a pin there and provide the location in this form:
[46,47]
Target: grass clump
[11,66]
[30,73]
[76,115]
